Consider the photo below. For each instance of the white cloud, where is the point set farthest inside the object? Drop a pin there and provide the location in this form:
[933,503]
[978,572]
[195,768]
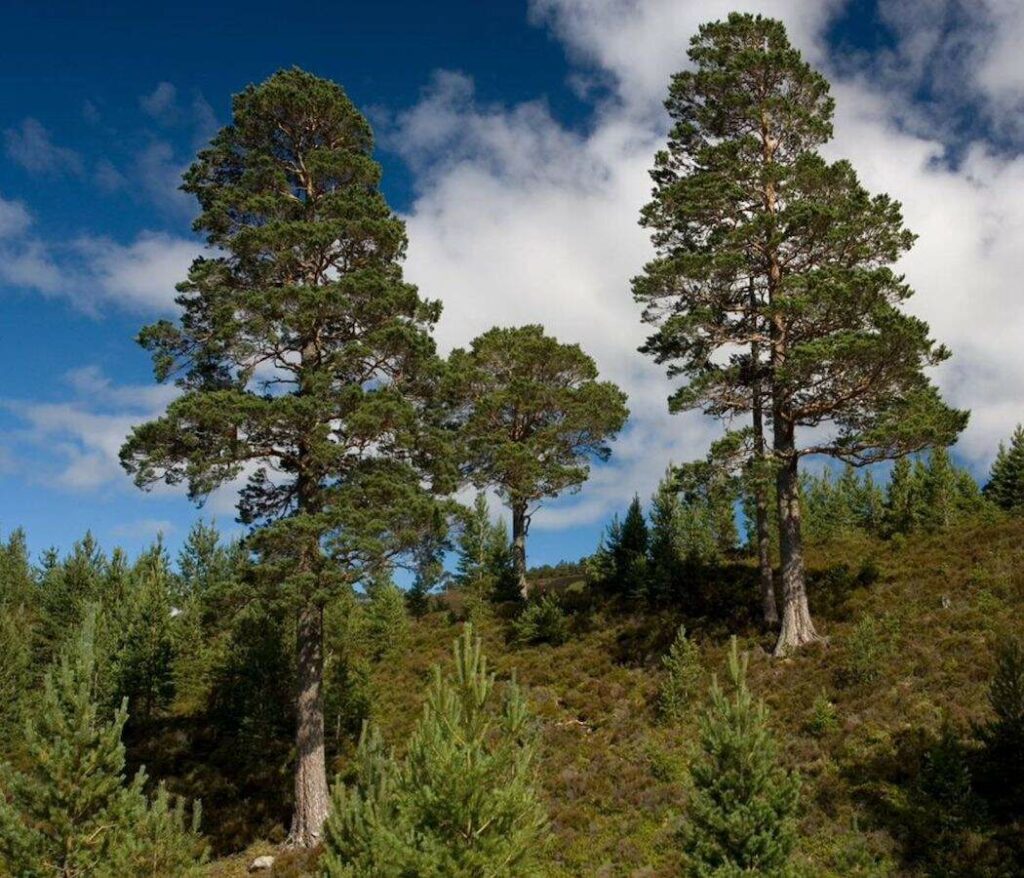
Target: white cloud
[161,103]
[140,275]
[519,219]
[31,147]
[24,261]
[14,218]
[75,443]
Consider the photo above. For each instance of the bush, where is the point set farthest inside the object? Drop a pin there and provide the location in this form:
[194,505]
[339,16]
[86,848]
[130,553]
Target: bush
[541,621]
[869,646]
[461,804]
[1002,737]
[824,718]
[683,674]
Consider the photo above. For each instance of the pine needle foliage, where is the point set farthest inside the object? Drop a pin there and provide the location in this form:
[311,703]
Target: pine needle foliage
[1005,485]
[461,803]
[683,673]
[741,813]
[69,813]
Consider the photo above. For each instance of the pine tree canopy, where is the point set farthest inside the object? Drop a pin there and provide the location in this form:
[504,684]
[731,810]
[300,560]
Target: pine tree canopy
[759,239]
[302,355]
[532,412]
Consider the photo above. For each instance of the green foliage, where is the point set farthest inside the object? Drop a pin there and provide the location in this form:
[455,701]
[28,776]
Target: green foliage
[18,618]
[541,621]
[144,659]
[1002,737]
[867,649]
[683,674]
[824,717]
[70,811]
[460,804]
[484,556]
[1005,485]
[741,815]
[627,545]
[531,414]
[385,620]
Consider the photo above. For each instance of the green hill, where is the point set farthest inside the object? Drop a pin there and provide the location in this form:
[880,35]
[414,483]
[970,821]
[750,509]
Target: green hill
[911,626]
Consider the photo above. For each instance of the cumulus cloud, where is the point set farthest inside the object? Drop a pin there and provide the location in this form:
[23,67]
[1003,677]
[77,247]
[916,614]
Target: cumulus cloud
[75,443]
[24,261]
[140,276]
[29,145]
[520,219]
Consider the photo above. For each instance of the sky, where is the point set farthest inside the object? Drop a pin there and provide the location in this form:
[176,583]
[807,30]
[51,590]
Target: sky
[515,139]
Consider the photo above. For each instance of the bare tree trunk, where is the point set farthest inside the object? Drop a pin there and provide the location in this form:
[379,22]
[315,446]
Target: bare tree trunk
[520,525]
[797,627]
[311,794]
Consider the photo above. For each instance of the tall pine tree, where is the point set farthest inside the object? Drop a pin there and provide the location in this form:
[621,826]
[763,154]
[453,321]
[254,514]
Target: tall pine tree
[760,240]
[302,357]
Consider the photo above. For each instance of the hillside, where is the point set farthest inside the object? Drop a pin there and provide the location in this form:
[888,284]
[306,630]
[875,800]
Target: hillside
[910,626]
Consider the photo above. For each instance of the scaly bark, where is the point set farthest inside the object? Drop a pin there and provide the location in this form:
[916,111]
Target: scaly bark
[520,525]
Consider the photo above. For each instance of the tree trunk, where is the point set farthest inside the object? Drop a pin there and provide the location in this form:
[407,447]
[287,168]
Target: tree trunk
[797,627]
[520,525]
[311,793]
[769,609]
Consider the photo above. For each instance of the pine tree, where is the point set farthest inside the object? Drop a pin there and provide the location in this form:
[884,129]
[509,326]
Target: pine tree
[386,621]
[19,621]
[667,538]
[741,815]
[531,414]
[70,813]
[760,241]
[682,675]
[461,803]
[305,361]
[903,499]
[630,553]
[145,654]
[1005,485]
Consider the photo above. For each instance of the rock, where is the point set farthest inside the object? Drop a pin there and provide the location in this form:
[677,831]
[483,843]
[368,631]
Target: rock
[261,864]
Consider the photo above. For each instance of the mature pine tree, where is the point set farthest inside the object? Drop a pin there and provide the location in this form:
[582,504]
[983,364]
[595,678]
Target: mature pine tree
[70,812]
[531,414]
[1005,485]
[301,355]
[760,240]
[741,816]
[462,803]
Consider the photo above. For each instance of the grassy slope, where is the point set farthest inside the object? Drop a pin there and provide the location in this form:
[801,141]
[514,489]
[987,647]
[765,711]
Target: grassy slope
[614,776]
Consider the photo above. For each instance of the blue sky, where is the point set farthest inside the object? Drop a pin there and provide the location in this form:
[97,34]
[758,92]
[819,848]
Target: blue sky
[515,138]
